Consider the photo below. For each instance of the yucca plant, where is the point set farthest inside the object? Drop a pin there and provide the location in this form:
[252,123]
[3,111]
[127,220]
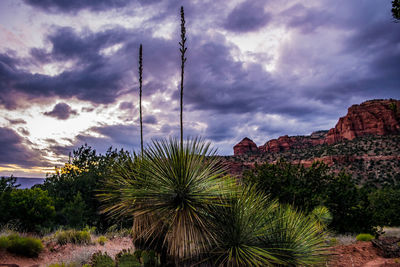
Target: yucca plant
[115,199]
[170,195]
[237,227]
[294,238]
[252,230]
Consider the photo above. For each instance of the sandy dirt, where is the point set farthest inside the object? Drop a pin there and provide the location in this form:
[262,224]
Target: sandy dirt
[67,253]
[360,254]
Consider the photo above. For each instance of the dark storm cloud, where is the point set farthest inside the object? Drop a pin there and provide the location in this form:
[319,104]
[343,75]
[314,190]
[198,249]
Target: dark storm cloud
[219,129]
[218,82]
[71,6]
[119,135]
[126,105]
[116,136]
[61,111]
[377,75]
[96,76]
[15,151]
[150,119]
[247,16]
[16,121]
[23,131]
[306,19]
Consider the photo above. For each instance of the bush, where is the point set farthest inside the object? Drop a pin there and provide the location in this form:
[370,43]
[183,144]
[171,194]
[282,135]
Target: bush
[102,240]
[364,237]
[32,209]
[101,260]
[127,259]
[75,212]
[4,242]
[24,246]
[64,265]
[74,186]
[385,206]
[149,258]
[73,236]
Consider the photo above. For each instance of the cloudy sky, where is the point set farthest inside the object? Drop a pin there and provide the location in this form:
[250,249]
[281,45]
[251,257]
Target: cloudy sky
[256,68]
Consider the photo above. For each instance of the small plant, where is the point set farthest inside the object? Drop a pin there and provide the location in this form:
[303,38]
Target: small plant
[4,242]
[333,241]
[24,246]
[126,258]
[72,236]
[364,237]
[102,240]
[65,265]
[101,260]
[149,259]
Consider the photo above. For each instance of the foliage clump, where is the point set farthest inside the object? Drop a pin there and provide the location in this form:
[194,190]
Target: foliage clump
[102,240]
[30,209]
[21,245]
[364,237]
[73,236]
[307,188]
[99,259]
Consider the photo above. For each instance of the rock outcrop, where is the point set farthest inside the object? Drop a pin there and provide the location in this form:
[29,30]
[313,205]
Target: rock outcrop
[245,146]
[374,117]
[285,143]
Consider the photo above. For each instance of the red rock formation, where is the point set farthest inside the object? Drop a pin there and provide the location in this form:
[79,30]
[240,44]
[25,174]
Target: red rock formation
[285,143]
[245,146]
[375,117]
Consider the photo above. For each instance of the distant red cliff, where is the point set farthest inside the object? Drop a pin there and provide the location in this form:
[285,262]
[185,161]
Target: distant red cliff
[374,117]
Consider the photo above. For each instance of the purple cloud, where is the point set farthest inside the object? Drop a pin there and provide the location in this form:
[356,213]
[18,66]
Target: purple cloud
[72,6]
[247,16]
[16,150]
[61,111]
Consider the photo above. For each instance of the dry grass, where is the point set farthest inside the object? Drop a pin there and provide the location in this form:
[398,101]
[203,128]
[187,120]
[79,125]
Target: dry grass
[392,231]
[346,239]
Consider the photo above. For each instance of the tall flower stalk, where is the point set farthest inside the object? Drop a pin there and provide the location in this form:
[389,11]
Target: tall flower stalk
[140,95]
[182,49]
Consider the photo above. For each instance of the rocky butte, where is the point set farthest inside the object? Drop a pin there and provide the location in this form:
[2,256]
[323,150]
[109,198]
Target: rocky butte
[373,117]
[364,143]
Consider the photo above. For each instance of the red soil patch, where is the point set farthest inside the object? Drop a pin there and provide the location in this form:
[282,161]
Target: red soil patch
[360,254]
[67,253]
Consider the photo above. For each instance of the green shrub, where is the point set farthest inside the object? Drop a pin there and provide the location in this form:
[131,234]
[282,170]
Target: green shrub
[149,258]
[72,236]
[99,259]
[31,209]
[4,242]
[138,253]
[24,246]
[102,240]
[126,258]
[65,265]
[364,237]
